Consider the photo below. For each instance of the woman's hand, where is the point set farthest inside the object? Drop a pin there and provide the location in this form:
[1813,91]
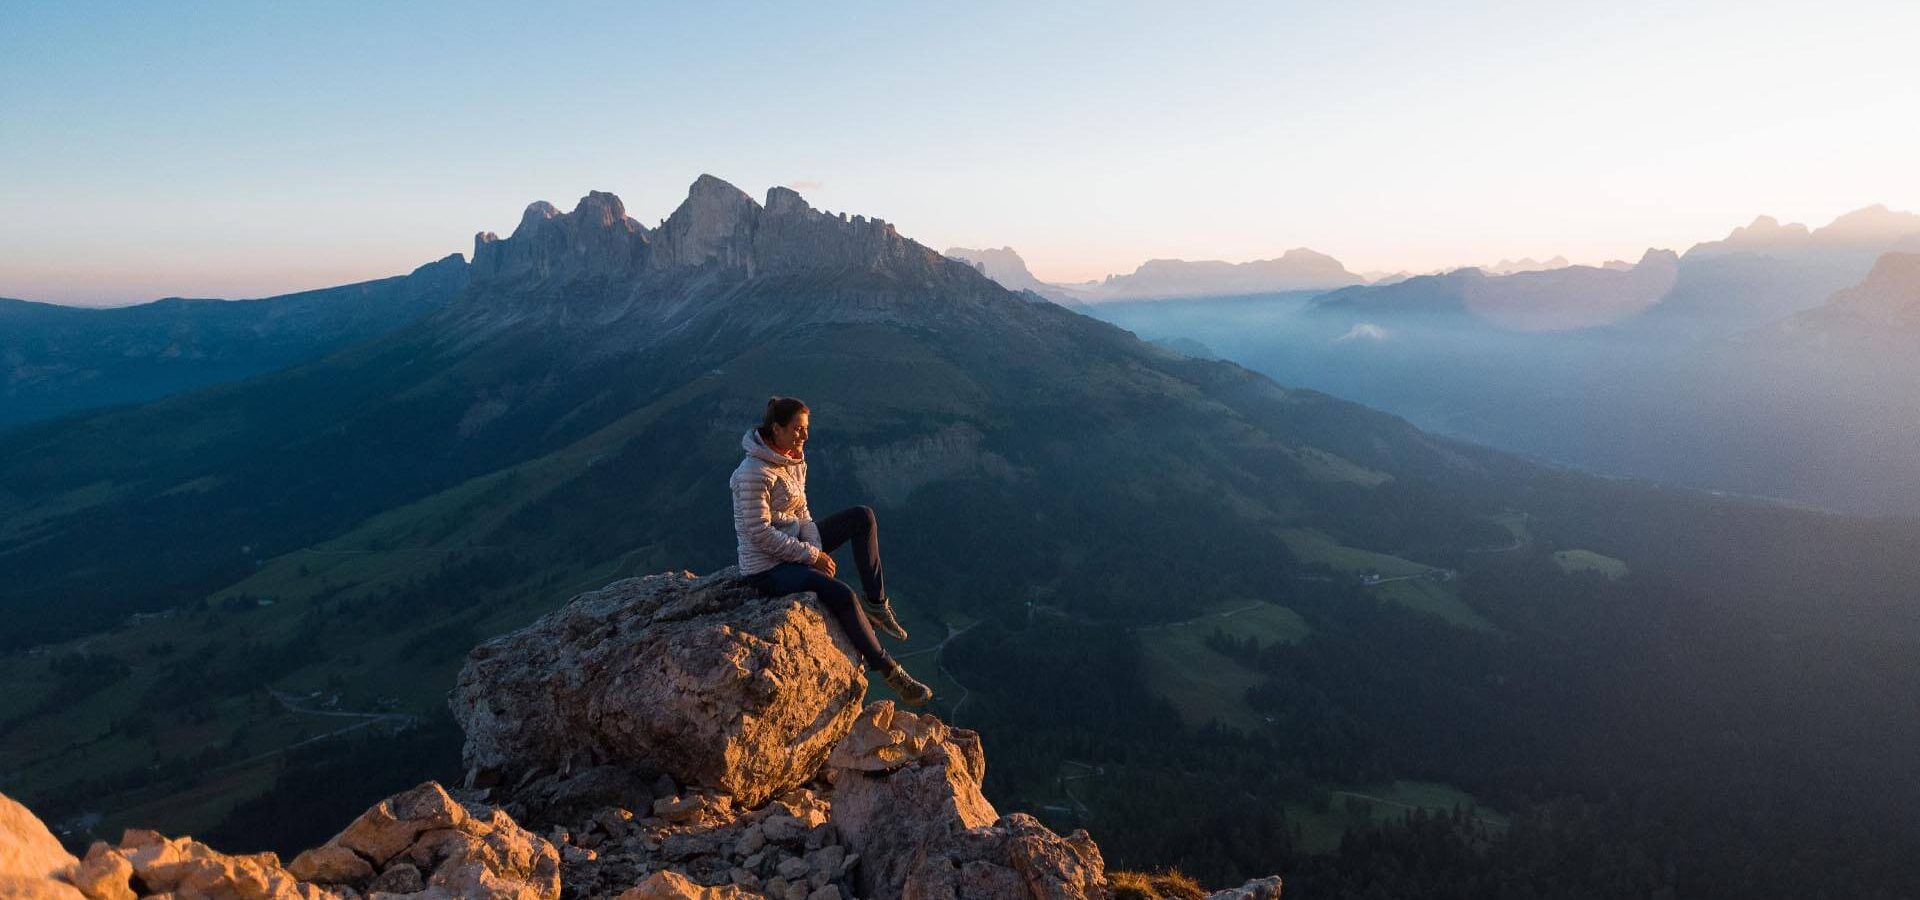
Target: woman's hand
[824,565]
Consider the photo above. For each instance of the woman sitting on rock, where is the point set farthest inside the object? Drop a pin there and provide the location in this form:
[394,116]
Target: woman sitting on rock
[784,551]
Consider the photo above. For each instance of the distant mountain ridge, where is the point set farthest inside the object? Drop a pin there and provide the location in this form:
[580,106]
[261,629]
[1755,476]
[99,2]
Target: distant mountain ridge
[56,360]
[1299,269]
[1765,271]
[1559,299]
[1872,228]
[1846,246]
[1525,264]
[1714,290]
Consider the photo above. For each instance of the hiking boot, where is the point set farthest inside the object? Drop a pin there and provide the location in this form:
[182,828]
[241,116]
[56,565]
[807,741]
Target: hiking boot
[880,615]
[911,692]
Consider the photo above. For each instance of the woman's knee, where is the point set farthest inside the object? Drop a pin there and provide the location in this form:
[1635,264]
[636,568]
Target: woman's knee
[867,517]
[833,590]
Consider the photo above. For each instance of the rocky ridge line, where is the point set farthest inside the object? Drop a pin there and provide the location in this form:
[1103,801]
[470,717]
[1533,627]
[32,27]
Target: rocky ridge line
[718,226]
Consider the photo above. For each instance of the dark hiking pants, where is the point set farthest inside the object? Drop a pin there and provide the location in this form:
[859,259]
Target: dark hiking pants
[857,526]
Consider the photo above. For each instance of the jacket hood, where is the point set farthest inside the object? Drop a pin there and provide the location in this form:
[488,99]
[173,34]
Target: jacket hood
[759,450]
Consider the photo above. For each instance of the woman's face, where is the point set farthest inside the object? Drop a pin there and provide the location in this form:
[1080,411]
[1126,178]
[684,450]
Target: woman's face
[793,435]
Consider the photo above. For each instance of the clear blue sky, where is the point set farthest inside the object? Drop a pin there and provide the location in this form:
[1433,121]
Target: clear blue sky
[244,149]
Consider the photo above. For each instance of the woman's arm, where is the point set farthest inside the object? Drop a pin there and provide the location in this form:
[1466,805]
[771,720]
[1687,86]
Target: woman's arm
[809,529]
[753,520]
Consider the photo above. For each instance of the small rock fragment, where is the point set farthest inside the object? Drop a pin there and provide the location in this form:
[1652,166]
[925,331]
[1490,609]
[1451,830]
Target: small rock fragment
[399,878]
[793,867]
[751,841]
[331,863]
[104,874]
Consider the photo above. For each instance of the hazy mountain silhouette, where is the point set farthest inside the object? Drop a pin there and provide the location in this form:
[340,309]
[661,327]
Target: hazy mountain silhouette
[1819,406]
[1873,322]
[1727,368]
[1006,268]
[1559,299]
[1767,271]
[1872,229]
[1298,269]
[1525,264]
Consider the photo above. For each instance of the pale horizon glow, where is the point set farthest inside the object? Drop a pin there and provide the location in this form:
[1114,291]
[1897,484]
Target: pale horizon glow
[243,150]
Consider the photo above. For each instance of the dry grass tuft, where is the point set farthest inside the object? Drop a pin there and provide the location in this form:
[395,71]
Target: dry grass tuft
[1170,884]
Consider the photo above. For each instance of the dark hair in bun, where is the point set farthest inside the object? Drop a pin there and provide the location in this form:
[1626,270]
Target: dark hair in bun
[780,411]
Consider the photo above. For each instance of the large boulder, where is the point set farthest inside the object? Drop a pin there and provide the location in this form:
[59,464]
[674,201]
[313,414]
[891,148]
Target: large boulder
[906,799]
[700,679]
[30,856]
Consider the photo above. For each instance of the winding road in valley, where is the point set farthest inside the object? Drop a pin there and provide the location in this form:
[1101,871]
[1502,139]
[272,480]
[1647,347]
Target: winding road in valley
[953,714]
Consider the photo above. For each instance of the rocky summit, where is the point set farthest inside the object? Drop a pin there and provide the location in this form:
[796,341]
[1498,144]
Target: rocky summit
[663,738]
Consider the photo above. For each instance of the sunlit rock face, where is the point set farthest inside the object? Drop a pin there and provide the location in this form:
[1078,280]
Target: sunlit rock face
[31,858]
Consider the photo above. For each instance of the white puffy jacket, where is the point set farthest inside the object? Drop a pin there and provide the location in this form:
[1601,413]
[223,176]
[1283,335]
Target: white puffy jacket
[771,522]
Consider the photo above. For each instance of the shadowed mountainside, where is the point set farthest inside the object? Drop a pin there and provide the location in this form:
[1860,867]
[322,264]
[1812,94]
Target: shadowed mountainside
[585,330]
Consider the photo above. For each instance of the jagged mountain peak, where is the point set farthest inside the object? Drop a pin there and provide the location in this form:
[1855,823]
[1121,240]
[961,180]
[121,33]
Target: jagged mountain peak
[708,185]
[1526,264]
[537,212]
[709,196]
[1763,234]
[1006,267]
[1304,254]
[783,200]
[1658,255]
[596,238]
[714,223]
[1768,226]
[1002,265]
[605,210]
